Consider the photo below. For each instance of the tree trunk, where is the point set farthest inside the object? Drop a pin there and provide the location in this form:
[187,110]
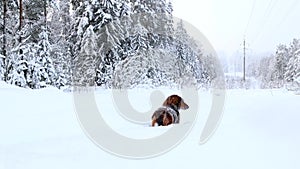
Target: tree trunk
[4,28]
[4,37]
[65,17]
[45,14]
[20,20]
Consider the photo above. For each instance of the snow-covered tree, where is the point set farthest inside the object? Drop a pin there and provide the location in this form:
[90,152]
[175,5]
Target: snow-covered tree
[84,70]
[156,17]
[3,11]
[3,41]
[44,69]
[15,62]
[34,18]
[265,65]
[59,27]
[293,67]
[282,58]
[294,47]
[201,67]
[18,64]
[277,66]
[60,22]
[102,16]
[9,32]
[2,67]
[29,65]
[98,14]
[101,42]
[75,3]
[281,68]
[150,68]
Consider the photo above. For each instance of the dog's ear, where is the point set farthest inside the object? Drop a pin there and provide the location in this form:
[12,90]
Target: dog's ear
[173,100]
[167,102]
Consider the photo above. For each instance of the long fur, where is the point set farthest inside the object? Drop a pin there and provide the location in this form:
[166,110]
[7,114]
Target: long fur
[169,112]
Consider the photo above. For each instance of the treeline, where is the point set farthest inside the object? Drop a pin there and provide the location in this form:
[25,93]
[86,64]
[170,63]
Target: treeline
[281,69]
[109,43]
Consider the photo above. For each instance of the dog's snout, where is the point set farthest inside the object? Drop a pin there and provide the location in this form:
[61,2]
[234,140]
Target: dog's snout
[184,106]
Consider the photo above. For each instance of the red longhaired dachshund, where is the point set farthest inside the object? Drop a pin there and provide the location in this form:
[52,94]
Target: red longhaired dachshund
[169,112]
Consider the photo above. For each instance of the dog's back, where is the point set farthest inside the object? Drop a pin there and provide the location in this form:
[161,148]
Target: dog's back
[165,116]
[169,112]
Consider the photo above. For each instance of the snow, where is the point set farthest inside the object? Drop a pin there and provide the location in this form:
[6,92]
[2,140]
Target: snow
[297,80]
[39,129]
[83,22]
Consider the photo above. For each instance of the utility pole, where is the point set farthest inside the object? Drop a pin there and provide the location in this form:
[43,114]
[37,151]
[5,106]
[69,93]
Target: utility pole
[244,61]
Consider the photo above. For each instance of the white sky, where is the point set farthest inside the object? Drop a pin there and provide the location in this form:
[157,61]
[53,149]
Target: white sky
[224,22]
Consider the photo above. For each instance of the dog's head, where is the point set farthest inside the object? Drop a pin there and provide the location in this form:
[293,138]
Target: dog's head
[175,102]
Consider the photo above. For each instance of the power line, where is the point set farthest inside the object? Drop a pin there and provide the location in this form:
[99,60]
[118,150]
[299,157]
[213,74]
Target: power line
[266,17]
[250,17]
[270,8]
[290,9]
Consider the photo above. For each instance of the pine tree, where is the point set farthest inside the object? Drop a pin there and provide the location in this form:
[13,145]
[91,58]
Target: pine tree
[164,19]
[102,16]
[3,41]
[85,61]
[189,54]
[76,4]
[29,62]
[278,66]
[9,19]
[16,61]
[2,37]
[156,17]
[264,71]
[151,68]
[46,72]
[19,65]
[98,14]
[34,18]
[108,40]
[294,47]
[59,27]
[293,67]
[2,67]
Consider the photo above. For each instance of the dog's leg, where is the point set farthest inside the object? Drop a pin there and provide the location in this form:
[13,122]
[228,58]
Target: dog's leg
[166,119]
[153,122]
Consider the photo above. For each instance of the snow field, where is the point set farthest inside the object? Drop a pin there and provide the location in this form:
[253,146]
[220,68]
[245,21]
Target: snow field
[39,129]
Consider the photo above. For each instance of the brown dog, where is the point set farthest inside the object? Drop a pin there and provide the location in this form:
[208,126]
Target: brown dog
[169,112]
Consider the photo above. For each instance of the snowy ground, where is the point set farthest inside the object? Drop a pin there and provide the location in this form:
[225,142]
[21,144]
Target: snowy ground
[259,130]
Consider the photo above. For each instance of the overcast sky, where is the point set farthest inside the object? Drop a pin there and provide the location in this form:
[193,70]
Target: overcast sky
[265,23]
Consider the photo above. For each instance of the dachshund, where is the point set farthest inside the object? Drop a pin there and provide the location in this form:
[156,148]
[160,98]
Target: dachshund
[169,112]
